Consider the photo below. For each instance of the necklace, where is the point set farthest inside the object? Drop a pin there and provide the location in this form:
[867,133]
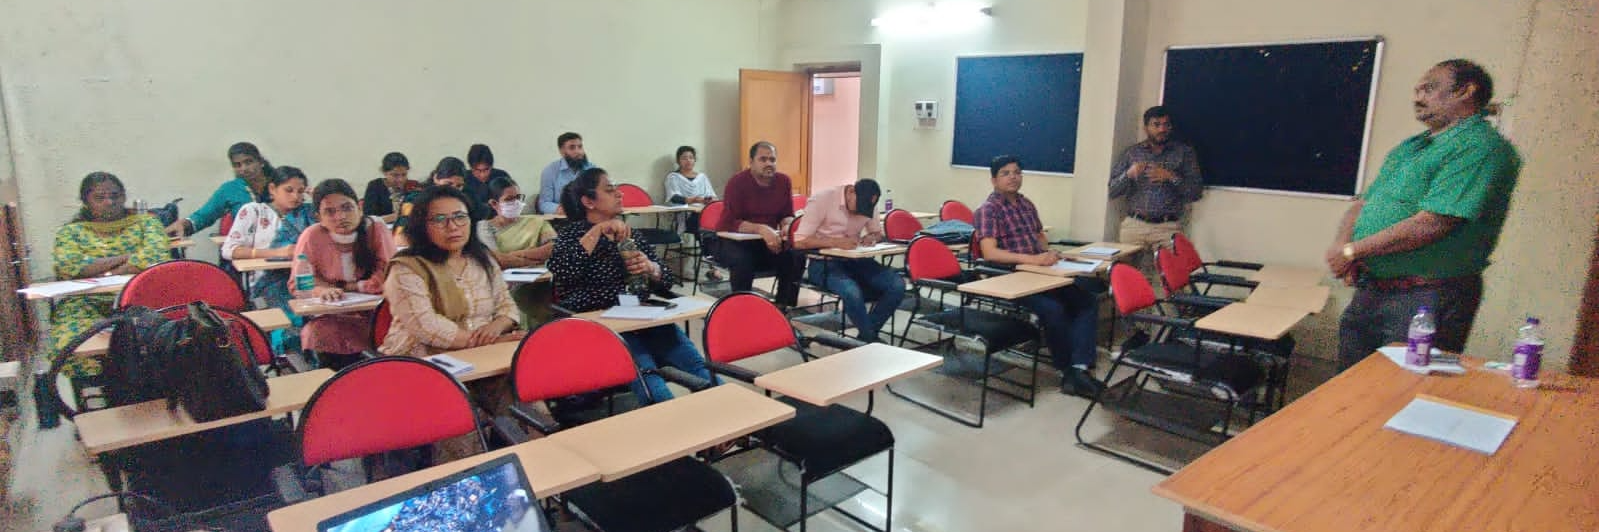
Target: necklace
[458,269]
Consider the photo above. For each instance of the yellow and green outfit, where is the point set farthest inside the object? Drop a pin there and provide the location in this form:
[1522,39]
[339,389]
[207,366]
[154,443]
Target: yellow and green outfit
[527,232]
[139,236]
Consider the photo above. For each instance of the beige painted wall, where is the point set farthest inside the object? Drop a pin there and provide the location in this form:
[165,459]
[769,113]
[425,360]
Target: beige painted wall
[156,93]
[835,134]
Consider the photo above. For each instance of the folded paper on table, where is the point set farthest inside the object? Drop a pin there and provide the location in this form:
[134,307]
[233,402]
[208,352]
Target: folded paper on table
[1470,428]
[1078,265]
[1441,363]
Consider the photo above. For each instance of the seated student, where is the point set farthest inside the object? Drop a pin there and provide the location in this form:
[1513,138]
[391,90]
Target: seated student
[451,173]
[835,218]
[480,159]
[556,175]
[385,194]
[347,252]
[592,271]
[268,230]
[685,184]
[1010,232]
[518,241]
[760,200]
[104,238]
[251,172]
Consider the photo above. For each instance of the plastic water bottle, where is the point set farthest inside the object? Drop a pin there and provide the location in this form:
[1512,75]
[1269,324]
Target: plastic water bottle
[637,283]
[888,200]
[1419,351]
[1528,355]
[304,281]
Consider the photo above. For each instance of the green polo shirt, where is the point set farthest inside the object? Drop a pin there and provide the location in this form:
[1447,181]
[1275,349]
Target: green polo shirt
[1468,171]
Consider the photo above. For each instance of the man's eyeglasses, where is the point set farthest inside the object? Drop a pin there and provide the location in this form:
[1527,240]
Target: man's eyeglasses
[342,209]
[459,219]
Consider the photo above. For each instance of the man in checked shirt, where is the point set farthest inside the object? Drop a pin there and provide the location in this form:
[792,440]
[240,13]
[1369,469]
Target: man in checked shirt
[1159,177]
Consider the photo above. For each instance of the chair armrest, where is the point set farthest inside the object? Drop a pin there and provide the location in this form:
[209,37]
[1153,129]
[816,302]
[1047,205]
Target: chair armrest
[286,479]
[682,378]
[938,284]
[370,353]
[1073,243]
[535,418]
[561,312]
[743,374]
[1169,321]
[1225,280]
[1238,264]
[832,340]
[294,362]
[1195,300]
[984,268]
[505,429]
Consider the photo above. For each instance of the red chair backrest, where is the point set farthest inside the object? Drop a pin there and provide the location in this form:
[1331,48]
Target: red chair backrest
[793,226]
[570,356]
[711,215]
[800,200]
[243,331]
[1187,254]
[1174,272]
[383,404]
[225,223]
[382,319]
[180,282]
[900,226]
[955,210]
[928,258]
[634,195]
[1130,289]
[743,325]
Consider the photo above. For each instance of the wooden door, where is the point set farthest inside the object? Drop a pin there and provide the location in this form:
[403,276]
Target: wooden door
[1585,351]
[18,335]
[775,106]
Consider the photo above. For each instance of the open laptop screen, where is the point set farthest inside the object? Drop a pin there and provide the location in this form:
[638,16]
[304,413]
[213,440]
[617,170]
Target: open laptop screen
[491,497]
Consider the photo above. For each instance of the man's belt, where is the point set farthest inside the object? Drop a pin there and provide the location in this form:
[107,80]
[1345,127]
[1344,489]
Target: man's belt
[1156,219]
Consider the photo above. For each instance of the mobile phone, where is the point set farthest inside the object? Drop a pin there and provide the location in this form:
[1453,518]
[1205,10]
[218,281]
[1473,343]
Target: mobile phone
[658,303]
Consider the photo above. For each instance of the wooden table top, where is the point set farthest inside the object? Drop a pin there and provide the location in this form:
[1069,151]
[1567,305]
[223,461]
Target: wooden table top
[857,254]
[310,307]
[181,243]
[1123,250]
[1307,298]
[730,235]
[268,320]
[125,426]
[107,289]
[487,361]
[662,209]
[633,441]
[256,265]
[1061,272]
[1015,285]
[1325,463]
[622,326]
[1252,320]
[551,470]
[217,239]
[829,379]
[1291,276]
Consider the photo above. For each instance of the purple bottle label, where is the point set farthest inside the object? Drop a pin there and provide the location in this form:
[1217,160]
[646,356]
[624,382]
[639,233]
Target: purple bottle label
[1419,352]
[1526,361]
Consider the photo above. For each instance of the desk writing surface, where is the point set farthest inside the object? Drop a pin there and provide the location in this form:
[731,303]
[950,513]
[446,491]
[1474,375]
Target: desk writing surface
[125,426]
[256,265]
[730,235]
[827,380]
[622,326]
[633,441]
[1325,464]
[1015,285]
[1307,298]
[662,209]
[217,239]
[107,289]
[181,243]
[551,470]
[1291,276]
[858,254]
[487,361]
[1251,320]
[268,320]
[1061,272]
[1123,250]
[311,307]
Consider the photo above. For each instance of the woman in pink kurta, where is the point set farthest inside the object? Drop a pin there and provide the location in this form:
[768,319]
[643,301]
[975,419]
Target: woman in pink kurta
[347,253]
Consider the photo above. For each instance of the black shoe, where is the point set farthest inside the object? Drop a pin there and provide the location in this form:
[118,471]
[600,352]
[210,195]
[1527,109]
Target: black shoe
[1080,383]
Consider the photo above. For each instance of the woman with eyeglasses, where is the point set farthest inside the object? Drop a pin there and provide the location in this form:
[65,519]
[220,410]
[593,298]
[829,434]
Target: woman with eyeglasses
[268,230]
[346,253]
[518,241]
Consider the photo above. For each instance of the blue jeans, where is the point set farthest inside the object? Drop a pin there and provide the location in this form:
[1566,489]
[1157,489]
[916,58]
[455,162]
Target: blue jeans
[656,345]
[1070,319]
[853,281]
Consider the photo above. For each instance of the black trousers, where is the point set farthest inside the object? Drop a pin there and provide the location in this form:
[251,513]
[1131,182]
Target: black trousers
[743,258]
[1375,318]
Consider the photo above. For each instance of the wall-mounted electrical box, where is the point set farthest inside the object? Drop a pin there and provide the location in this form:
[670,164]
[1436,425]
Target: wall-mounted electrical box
[926,114]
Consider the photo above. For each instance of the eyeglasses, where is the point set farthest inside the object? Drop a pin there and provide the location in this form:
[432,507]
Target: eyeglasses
[459,219]
[342,209]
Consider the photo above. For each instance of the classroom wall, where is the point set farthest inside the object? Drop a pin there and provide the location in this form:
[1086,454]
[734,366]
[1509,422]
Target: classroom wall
[156,93]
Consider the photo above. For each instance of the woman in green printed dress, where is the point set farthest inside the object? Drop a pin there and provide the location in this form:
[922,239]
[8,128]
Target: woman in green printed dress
[103,239]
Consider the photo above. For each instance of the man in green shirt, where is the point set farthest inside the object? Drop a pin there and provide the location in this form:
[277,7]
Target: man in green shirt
[1422,232]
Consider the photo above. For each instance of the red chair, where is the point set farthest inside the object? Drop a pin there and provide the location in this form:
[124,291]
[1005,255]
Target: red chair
[571,356]
[225,224]
[820,440]
[1188,258]
[900,226]
[800,200]
[955,210]
[181,282]
[382,320]
[710,218]
[634,195]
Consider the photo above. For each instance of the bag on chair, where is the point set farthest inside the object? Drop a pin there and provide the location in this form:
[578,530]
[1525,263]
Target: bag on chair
[207,373]
[133,370]
[950,231]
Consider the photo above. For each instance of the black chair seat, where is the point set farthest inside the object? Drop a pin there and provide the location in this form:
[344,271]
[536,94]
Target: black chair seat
[1175,360]
[657,237]
[996,331]
[826,439]
[663,498]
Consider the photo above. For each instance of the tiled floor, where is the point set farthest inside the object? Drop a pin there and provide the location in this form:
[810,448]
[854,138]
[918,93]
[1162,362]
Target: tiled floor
[1023,471]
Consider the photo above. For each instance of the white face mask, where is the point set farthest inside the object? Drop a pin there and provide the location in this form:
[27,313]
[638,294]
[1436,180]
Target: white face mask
[511,209]
[342,239]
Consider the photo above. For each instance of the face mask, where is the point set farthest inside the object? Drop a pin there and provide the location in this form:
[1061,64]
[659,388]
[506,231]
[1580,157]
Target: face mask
[342,239]
[511,209]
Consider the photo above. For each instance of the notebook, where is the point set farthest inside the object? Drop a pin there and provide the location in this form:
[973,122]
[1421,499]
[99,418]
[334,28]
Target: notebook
[353,298]
[524,275]
[1453,423]
[1097,250]
[1073,265]
[455,366]
[494,497]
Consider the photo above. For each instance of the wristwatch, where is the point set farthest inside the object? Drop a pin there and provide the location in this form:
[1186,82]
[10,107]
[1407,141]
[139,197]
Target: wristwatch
[1349,251]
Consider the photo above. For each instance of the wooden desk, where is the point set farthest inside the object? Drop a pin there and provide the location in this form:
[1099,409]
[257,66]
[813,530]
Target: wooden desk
[487,361]
[1291,276]
[126,426]
[217,239]
[640,439]
[268,320]
[551,470]
[856,254]
[1307,298]
[1123,250]
[1324,463]
[1104,265]
[829,379]
[1015,285]
[256,265]
[1254,321]
[308,307]
[729,235]
[622,326]
[662,209]
[181,243]
[107,289]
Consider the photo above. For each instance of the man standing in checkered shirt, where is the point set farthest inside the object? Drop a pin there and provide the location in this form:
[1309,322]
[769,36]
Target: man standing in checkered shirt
[1159,177]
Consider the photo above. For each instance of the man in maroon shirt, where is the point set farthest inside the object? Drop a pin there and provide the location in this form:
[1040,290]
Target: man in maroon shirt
[759,200]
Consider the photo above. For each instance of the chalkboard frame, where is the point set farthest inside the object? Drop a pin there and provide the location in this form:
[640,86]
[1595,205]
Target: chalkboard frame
[1371,105]
[955,134]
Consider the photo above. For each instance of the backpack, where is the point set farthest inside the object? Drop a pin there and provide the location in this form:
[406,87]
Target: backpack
[950,232]
[133,372]
[209,367]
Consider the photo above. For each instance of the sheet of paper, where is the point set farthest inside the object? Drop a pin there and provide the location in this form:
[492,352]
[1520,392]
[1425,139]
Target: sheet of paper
[354,299]
[1102,251]
[687,304]
[56,289]
[524,275]
[633,312]
[1453,425]
[1078,265]
[876,247]
[1439,363]
[109,280]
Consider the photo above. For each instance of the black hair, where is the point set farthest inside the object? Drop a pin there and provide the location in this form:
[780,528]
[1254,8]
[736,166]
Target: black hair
[498,185]
[366,260]
[395,159]
[1158,111]
[245,148]
[1000,162]
[586,185]
[416,230]
[283,175]
[682,150]
[866,195]
[87,187]
[561,140]
[479,153]
[447,167]
[1467,72]
[757,147]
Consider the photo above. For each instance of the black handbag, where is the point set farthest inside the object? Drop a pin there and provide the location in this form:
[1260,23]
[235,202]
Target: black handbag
[212,374]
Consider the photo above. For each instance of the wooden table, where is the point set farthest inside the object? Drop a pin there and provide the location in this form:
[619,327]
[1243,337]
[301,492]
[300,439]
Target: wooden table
[268,320]
[106,289]
[551,470]
[126,426]
[217,239]
[1062,272]
[1325,463]
[1291,276]
[627,443]
[829,379]
[662,209]
[1015,285]
[730,235]
[1252,320]
[1307,298]
[308,307]
[181,243]
[857,254]
[256,265]
[1123,250]
[622,326]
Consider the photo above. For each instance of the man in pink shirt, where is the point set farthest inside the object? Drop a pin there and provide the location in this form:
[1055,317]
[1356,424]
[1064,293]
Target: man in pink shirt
[835,218]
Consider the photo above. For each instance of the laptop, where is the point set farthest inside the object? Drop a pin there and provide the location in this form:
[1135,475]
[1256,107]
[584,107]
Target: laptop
[492,497]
